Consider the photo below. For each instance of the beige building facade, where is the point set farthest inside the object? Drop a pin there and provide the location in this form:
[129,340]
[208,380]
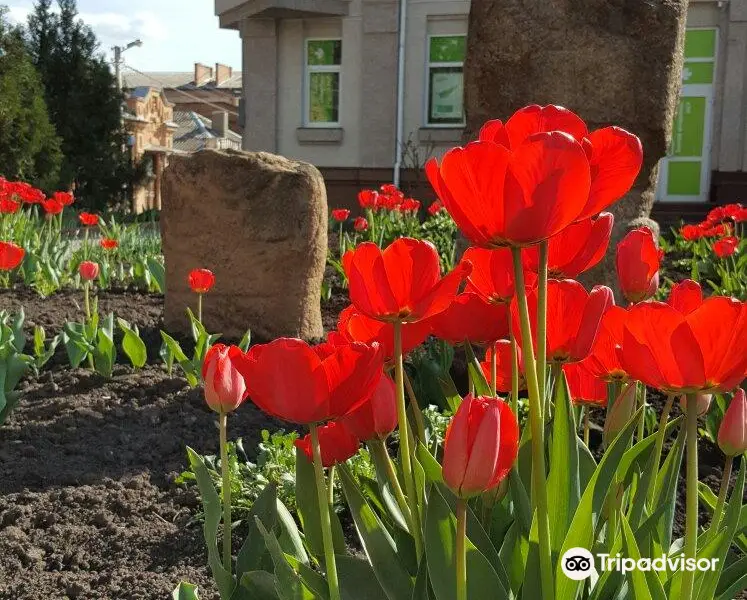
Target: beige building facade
[321,84]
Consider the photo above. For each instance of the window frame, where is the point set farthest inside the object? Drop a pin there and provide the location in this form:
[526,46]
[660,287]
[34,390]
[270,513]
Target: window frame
[307,71]
[435,65]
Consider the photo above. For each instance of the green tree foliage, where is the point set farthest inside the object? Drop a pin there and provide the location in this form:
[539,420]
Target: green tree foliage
[84,103]
[29,146]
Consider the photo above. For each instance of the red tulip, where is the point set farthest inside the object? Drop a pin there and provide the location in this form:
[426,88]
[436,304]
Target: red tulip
[504,366]
[584,386]
[481,445]
[573,317]
[516,197]
[88,219]
[690,233]
[88,270]
[638,265]
[25,192]
[360,224]
[201,281]
[222,372]
[10,256]
[336,444]
[685,296]
[410,205]
[377,417]
[732,434]
[355,327]
[52,206]
[492,275]
[8,206]
[340,214]
[295,382]
[368,199]
[533,119]
[603,361]
[435,208]
[64,198]
[575,249]
[704,350]
[109,243]
[402,283]
[726,246]
[470,318]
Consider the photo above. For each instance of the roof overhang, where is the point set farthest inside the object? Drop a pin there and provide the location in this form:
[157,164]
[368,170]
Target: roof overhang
[231,16]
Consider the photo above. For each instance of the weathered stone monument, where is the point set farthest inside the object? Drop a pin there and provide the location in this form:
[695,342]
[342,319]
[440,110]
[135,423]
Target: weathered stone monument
[259,222]
[610,61]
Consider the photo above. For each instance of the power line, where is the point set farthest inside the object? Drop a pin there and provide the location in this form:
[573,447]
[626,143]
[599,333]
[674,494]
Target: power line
[188,95]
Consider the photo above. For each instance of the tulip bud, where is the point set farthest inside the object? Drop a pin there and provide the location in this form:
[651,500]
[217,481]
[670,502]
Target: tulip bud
[619,415]
[377,417]
[637,264]
[703,401]
[481,445]
[201,281]
[225,388]
[732,435]
[336,444]
[88,270]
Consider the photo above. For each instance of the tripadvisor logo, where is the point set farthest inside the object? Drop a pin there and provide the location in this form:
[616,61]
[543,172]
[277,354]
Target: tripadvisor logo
[579,563]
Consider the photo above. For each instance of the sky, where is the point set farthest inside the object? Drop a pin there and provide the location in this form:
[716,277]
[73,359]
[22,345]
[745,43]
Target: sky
[175,33]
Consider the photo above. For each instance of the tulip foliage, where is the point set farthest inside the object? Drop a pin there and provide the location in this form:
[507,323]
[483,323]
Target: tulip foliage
[494,509]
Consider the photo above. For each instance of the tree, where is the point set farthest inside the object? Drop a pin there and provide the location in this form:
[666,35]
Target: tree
[84,103]
[29,146]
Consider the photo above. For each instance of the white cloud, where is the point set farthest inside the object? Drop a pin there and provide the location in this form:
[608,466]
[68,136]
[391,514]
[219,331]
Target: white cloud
[117,28]
[18,14]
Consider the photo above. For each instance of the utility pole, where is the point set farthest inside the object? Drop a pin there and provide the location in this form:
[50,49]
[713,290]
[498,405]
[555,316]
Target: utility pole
[118,50]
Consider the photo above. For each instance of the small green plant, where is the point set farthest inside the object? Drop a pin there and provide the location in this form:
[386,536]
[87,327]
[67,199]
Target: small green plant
[92,341]
[43,352]
[13,363]
[132,344]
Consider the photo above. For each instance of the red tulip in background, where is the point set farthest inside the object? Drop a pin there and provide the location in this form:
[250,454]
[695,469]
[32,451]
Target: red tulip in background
[88,270]
[109,243]
[470,318]
[301,384]
[574,250]
[685,296]
[435,208]
[225,388]
[52,206]
[603,361]
[10,256]
[377,417]
[336,444]
[703,350]
[368,199]
[504,362]
[492,275]
[410,205]
[201,281]
[402,283]
[340,214]
[64,198]
[732,434]
[481,445]
[360,224]
[573,317]
[8,206]
[637,263]
[726,246]
[355,327]
[584,386]
[690,232]
[88,219]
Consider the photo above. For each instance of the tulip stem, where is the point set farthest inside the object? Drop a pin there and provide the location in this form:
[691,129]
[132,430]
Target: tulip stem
[539,487]
[87,300]
[586,426]
[642,422]
[404,441]
[342,241]
[691,498]
[226,476]
[417,415]
[718,511]
[658,446]
[322,498]
[85,244]
[461,550]
[542,327]
[331,490]
[379,447]
[494,370]
[514,372]
[199,307]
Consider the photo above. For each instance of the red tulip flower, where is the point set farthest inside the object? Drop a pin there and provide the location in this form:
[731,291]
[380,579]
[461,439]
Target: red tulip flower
[340,214]
[574,250]
[360,224]
[685,296]
[336,444]
[584,386]
[726,246]
[225,388]
[732,434]
[573,317]
[402,283]
[8,206]
[470,318]
[409,205]
[435,208]
[10,256]
[368,199]
[109,243]
[703,350]
[492,275]
[481,445]
[64,198]
[201,281]
[504,367]
[52,206]
[88,270]
[377,417]
[690,233]
[88,219]
[301,384]
[603,361]
[356,327]
[638,265]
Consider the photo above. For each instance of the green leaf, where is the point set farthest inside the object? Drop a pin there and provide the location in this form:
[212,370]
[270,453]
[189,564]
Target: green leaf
[384,487]
[645,584]
[256,585]
[448,387]
[377,543]
[19,339]
[520,498]
[133,345]
[482,388]
[357,579]
[665,493]
[76,345]
[39,339]
[421,582]
[246,341]
[513,553]
[290,538]
[254,548]
[158,273]
[431,466]
[186,365]
[733,580]
[185,591]
[104,354]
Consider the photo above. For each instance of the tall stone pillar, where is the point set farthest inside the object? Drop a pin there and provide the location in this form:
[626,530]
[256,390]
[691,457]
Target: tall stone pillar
[260,63]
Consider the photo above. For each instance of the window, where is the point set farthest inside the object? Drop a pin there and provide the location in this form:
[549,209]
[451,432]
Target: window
[323,58]
[446,79]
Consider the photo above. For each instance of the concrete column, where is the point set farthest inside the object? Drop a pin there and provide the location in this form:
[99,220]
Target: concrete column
[260,65]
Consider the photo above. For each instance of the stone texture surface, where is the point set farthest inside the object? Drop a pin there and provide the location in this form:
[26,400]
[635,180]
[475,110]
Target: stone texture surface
[611,61]
[259,222]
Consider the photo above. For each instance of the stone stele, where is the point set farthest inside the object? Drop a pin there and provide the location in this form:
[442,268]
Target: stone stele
[259,222]
[612,62]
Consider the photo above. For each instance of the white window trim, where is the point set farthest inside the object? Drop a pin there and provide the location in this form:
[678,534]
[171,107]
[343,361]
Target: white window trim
[428,66]
[307,70]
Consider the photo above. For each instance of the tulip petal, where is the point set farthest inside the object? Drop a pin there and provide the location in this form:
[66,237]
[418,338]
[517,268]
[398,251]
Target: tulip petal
[492,273]
[412,269]
[685,296]
[534,119]
[484,442]
[599,301]
[441,294]
[456,447]
[494,131]
[370,289]
[350,376]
